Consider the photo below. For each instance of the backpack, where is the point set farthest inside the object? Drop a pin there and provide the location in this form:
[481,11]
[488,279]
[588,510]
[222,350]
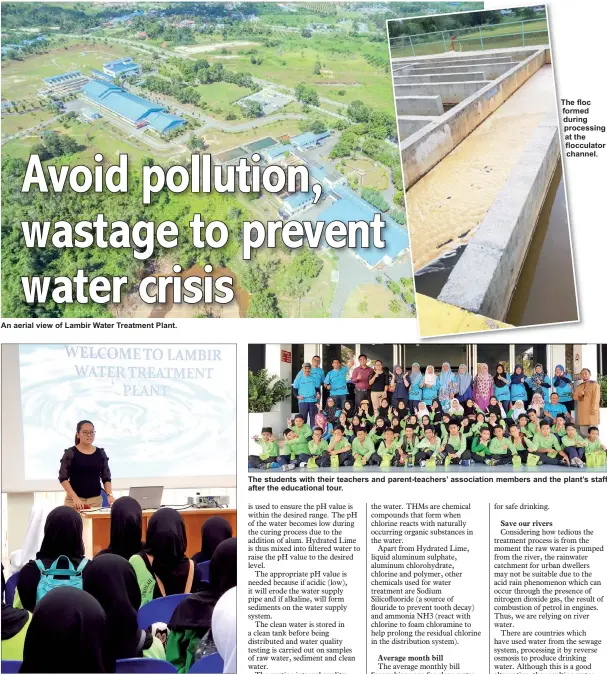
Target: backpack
[48,581]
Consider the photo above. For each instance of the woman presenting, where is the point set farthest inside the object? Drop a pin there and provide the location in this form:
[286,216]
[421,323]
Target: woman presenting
[83,468]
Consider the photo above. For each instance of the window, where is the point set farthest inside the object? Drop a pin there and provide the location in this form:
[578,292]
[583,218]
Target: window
[383,352]
[436,354]
[492,354]
[529,355]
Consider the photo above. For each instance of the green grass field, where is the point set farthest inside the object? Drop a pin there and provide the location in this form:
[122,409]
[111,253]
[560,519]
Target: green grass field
[12,124]
[22,79]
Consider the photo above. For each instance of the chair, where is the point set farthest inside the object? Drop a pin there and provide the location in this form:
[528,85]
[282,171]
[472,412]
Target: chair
[204,570]
[210,664]
[104,500]
[9,590]
[135,665]
[11,665]
[158,610]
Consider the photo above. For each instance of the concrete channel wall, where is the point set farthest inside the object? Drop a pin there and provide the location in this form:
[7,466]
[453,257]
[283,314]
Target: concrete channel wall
[409,124]
[491,69]
[419,105]
[426,148]
[414,78]
[515,53]
[451,93]
[484,278]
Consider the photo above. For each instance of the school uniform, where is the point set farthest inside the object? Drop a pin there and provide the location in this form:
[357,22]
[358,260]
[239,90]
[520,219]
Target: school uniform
[366,450]
[306,387]
[425,450]
[320,452]
[480,450]
[345,458]
[269,454]
[390,451]
[501,451]
[552,457]
[456,443]
[298,447]
[574,447]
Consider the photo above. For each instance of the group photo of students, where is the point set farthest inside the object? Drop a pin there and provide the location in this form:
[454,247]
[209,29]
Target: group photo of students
[136,599]
[367,413]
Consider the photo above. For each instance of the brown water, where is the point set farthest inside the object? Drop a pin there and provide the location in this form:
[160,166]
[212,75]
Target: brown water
[545,292]
[183,310]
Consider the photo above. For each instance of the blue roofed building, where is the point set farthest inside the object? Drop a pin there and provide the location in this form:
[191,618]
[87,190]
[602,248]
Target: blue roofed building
[66,83]
[351,207]
[308,139]
[120,68]
[296,202]
[133,109]
[275,152]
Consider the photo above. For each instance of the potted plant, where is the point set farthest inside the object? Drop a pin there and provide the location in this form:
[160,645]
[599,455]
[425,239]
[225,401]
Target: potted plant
[265,392]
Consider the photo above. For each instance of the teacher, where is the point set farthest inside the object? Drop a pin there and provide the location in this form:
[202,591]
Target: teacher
[83,469]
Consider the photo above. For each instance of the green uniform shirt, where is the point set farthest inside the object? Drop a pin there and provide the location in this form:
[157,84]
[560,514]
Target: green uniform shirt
[340,446]
[500,446]
[426,445]
[297,446]
[594,446]
[384,450]
[547,443]
[521,446]
[268,449]
[365,449]
[479,447]
[458,442]
[318,449]
[305,430]
[571,442]
[560,433]
[409,446]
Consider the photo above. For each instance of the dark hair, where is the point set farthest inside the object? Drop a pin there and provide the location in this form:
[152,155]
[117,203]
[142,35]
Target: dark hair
[569,425]
[288,430]
[317,428]
[560,416]
[544,423]
[523,416]
[512,424]
[453,423]
[362,428]
[79,425]
[484,428]
[592,428]
[587,370]
[338,428]
[429,427]
[362,355]
[554,393]
[411,426]
[389,428]
[299,416]
[313,357]
[266,429]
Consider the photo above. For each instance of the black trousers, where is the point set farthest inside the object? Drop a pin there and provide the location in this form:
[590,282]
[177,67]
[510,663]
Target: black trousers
[359,396]
[256,462]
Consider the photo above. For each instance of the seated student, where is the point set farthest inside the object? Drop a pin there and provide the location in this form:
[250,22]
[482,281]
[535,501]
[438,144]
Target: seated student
[364,449]
[319,448]
[442,425]
[399,412]
[69,632]
[162,567]
[291,443]
[480,445]
[455,409]
[537,404]
[376,434]
[422,409]
[298,448]
[191,637]
[478,425]
[331,412]
[494,422]
[340,447]
[348,409]
[365,414]
[454,444]
[559,427]
[388,447]
[436,410]
[269,450]
[427,448]
[15,622]
[62,536]
[395,425]
[214,531]
[113,583]
[471,409]
[521,444]
[574,445]
[501,450]
[223,626]
[383,411]
[125,528]
[516,410]
[496,407]
[355,424]
[401,449]
[523,424]
[342,420]
[533,424]
[554,408]
[411,420]
[548,447]
[301,429]
[593,443]
[320,421]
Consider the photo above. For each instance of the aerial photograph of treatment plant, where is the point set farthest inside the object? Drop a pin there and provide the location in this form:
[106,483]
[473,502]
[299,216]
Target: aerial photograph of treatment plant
[301,83]
[485,193]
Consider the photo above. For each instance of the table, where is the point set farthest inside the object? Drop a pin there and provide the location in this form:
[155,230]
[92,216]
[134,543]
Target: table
[96,527]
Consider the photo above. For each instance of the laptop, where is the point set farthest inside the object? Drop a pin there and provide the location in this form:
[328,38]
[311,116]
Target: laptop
[149,498]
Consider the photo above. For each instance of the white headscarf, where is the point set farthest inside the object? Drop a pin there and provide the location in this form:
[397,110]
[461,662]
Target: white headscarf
[422,411]
[430,377]
[517,409]
[455,406]
[223,626]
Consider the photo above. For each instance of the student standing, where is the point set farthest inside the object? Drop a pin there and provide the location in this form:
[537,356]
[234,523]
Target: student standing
[588,396]
[360,379]
[447,386]
[379,385]
[335,383]
[483,386]
[307,392]
[501,386]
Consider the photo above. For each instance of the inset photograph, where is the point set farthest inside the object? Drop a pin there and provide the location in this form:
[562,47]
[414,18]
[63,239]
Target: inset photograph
[443,407]
[118,507]
[485,192]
